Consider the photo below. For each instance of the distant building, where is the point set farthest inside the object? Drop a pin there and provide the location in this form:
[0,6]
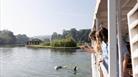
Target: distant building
[34,42]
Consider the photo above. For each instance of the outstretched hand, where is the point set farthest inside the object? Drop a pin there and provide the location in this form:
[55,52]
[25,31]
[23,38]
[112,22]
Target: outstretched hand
[87,48]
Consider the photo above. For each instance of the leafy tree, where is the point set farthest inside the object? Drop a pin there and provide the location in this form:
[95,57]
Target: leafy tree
[67,42]
[65,33]
[7,37]
[77,36]
[21,39]
[84,35]
[46,40]
[54,36]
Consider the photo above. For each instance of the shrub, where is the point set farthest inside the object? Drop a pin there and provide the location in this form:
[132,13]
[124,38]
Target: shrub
[67,42]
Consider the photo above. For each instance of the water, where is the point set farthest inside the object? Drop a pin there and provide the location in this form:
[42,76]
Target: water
[28,62]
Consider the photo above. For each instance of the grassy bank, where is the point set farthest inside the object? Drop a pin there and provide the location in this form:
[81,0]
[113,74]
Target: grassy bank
[40,46]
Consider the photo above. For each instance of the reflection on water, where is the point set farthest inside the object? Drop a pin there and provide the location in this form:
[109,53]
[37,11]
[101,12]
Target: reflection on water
[64,51]
[60,51]
[6,50]
[29,62]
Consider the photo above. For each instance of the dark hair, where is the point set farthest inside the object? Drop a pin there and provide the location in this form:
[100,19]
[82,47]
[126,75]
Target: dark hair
[104,34]
[101,35]
[92,35]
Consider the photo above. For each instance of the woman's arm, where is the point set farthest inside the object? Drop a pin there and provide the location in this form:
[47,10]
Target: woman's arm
[88,48]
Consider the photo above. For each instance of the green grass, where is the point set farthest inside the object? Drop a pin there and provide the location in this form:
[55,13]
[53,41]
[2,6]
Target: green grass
[40,46]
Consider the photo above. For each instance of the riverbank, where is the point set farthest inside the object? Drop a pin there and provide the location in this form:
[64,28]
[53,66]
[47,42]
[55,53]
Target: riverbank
[12,45]
[40,46]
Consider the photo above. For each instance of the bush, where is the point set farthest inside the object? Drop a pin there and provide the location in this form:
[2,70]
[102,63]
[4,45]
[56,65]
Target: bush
[45,44]
[67,42]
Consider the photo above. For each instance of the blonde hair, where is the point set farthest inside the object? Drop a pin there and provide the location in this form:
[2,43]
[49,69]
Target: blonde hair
[98,47]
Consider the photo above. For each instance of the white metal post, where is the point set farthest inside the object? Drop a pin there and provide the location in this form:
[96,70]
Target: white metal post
[112,38]
[93,56]
[93,61]
[0,14]
[119,34]
[93,66]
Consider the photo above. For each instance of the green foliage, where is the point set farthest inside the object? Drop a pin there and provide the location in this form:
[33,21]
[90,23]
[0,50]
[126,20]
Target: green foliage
[46,40]
[21,39]
[67,42]
[84,35]
[7,37]
[77,35]
[45,44]
[56,36]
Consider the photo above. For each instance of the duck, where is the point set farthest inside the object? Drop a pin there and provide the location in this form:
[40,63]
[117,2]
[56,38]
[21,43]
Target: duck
[58,67]
[75,69]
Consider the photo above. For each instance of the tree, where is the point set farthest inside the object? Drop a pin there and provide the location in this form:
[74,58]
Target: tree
[21,39]
[84,35]
[65,33]
[77,36]
[54,36]
[7,37]
[66,42]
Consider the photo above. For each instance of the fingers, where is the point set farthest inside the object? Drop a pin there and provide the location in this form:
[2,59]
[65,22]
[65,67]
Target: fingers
[87,48]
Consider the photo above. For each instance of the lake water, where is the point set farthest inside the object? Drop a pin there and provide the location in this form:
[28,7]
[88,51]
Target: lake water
[29,62]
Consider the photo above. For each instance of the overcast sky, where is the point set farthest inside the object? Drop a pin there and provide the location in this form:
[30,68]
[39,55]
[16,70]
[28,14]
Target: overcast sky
[43,17]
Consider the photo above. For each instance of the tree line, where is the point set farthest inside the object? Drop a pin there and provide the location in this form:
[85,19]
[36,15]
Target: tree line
[77,35]
[69,38]
[8,37]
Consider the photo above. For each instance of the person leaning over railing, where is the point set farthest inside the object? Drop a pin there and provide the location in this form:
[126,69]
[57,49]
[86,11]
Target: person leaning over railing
[93,49]
[88,48]
[100,48]
[102,34]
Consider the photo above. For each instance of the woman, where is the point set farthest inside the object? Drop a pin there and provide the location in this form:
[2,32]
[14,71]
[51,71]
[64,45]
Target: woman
[102,35]
[94,49]
[88,48]
[100,48]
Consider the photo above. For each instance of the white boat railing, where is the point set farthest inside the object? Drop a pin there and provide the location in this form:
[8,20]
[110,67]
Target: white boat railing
[115,15]
[133,32]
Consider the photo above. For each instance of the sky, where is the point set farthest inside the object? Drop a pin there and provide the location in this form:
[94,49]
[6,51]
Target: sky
[43,17]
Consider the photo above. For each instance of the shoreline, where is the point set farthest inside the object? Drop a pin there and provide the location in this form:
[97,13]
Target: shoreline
[12,45]
[40,46]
